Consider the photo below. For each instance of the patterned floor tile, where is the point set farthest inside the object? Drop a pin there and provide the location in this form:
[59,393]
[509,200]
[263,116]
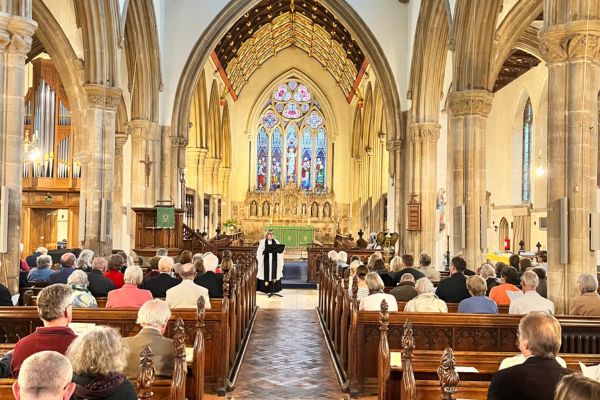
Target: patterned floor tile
[287,359]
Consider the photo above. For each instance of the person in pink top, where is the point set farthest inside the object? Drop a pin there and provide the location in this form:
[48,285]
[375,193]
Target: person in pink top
[510,277]
[129,296]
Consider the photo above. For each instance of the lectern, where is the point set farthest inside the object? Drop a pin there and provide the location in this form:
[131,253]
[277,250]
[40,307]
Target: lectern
[152,234]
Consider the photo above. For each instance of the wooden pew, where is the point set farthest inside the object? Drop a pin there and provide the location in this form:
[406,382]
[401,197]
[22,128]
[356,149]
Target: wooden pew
[317,255]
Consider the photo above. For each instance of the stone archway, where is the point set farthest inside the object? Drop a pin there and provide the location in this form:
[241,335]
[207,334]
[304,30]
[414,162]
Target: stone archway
[365,39]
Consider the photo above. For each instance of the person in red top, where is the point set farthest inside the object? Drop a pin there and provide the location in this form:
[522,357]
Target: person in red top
[510,278]
[56,311]
[129,296]
[114,270]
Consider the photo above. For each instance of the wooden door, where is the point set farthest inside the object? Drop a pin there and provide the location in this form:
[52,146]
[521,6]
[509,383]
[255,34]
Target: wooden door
[43,228]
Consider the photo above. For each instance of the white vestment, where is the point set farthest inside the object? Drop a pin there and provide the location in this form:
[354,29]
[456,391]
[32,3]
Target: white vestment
[260,260]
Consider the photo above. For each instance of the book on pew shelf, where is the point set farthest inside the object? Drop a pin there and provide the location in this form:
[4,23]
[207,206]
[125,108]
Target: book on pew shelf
[396,359]
[189,354]
[81,327]
[471,370]
[593,371]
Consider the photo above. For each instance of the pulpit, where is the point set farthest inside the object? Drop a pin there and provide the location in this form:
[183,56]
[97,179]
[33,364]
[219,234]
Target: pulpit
[152,233]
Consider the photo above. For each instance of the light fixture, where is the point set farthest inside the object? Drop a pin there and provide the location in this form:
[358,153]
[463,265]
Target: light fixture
[539,171]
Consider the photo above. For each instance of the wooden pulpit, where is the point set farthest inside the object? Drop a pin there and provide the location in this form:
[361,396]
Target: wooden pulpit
[150,234]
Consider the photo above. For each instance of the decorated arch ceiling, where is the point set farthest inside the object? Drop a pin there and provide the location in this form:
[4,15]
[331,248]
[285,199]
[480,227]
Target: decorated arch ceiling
[274,25]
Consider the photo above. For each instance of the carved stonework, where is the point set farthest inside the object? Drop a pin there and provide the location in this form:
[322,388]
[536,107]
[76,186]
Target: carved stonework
[120,140]
[4,40]
[20,44]
[102,97]
[469,102]
[394,145]
[425,132]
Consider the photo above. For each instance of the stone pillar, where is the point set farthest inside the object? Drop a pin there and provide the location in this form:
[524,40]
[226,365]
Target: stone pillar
[469,109]
[424,137]
[97,158]
[177,168]
[17,31]
[143,164]
[118,219]
[200,189]
[394,147]
[571,50]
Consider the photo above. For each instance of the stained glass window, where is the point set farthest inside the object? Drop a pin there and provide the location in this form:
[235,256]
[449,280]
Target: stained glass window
[293,124]
[306,158]
[291,155]
[527,129]
[321,159]
[262,155]
[276,165]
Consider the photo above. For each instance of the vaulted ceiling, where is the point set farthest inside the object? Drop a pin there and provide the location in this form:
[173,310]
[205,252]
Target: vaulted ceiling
[274,25]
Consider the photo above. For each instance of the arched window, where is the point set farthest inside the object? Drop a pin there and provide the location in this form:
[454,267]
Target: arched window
[293,124]
[527,129]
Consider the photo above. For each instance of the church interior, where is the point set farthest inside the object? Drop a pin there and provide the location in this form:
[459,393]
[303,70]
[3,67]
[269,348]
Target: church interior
[448,128]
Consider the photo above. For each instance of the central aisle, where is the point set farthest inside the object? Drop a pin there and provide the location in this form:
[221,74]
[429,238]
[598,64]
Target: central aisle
[287,359]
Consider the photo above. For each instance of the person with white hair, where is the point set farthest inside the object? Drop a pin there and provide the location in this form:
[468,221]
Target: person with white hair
[530,300]
[207,277]
[164,281]
[153,317]
[98,358]
[376,295]
[46,375]
[427,300]
[82,298]
[42,270]
[30,260]
[342,260]
[186,294]
[130,295]
[589,301]
[84,262]
[332,255]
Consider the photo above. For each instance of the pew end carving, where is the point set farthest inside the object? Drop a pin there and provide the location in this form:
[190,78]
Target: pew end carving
[384,351]
[408,386]
[449,379]
[198,362]
[179,369]
[145,377]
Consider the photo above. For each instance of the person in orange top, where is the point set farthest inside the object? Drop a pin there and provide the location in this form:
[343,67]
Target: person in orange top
[510,277]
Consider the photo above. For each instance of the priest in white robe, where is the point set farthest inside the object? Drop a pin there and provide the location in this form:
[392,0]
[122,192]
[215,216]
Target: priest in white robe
[270,265]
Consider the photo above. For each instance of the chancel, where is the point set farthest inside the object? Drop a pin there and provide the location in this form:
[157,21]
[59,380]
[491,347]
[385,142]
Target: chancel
[363,135]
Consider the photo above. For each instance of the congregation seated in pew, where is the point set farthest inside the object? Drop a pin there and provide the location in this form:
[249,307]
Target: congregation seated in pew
[84,261]
[373,300]
[429,270]
[164,281]
[114,273]
[404,265]
[186,293]
[405,291]
[539,340]
[588,303]
[454,288]
[130,295]
[67,266]
[385,275]
[530,300]
[153,318]
[478,303]
[206,276]
[510,278]
[488,273]
[45,375]
[56,312]
[361,283]
[426,300]
[42,271]
[98,358]
[152,271]
[99,285]
[82,297]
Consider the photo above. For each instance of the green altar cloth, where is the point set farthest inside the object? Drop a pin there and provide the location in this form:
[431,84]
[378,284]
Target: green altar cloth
[294,236]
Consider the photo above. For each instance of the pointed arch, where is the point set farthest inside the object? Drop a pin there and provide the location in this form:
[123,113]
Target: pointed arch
[226,127]
[143,59]
[214,122]
[502,233]
[199,115]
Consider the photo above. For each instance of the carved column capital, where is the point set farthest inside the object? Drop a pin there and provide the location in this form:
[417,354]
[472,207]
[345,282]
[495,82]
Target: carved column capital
[572,41]
[120,140]
[5,40]
[178,141]
[468,102]
[22,30]
[425,131]
[138,128]
[394,145]
[100,96]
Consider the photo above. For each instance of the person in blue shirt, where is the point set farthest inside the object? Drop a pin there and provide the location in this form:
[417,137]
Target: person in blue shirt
[42,271]
[478,303]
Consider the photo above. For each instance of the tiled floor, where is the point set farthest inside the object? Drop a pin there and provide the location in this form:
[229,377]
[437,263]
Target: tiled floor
[293,299]
[287,357]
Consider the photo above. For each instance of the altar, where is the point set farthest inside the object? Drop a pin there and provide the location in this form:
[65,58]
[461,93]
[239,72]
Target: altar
[294,236]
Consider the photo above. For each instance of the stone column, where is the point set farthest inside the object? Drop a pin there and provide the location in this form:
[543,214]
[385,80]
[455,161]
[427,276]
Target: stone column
[200,189]
[17,31]
[178,146]
[394,147]
[470,109]
[143,164]
[424,137]
[571,49]
[117,212]
[97,158]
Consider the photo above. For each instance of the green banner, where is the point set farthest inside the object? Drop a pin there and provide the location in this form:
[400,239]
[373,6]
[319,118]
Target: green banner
[165,217]
[293,236]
